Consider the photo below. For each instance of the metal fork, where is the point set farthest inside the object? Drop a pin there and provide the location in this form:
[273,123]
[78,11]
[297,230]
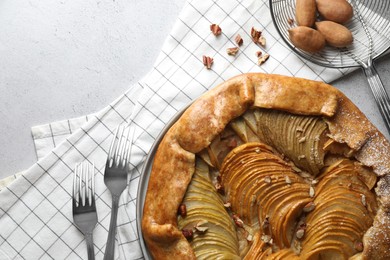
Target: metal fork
[115,178]
[84,207]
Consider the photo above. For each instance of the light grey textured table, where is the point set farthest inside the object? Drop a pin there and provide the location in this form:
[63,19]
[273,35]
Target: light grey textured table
[62,59]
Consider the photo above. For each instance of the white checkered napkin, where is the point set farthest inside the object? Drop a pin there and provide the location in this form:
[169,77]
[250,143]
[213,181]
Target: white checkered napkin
[35,209]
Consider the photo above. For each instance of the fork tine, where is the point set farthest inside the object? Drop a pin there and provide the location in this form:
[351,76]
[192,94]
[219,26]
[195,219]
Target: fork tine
[111,156]
[119,149]
[119,144]
[74,190]
[124,145]
[129,144]
[83,180]
[93,184]
[88,183]
[124,142]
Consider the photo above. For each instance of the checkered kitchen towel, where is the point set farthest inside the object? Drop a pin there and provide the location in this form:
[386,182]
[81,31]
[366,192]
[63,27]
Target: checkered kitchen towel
[35,209]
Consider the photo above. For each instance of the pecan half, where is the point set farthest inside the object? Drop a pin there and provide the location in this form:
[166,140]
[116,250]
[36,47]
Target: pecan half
[201,226]
[311,192]
[207,61]
[187,233]
[218,186]
[238,221]
[262,59]
[309,207]
[182,210]
[255,35]
[262,41]
[239,40]
[300,233]
[215,29]
[232,51]
[359,246]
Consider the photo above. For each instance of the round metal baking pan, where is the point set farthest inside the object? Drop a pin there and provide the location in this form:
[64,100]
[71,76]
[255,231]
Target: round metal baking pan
[144,180]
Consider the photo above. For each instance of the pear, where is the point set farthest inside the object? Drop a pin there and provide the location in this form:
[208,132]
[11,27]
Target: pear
[214,235]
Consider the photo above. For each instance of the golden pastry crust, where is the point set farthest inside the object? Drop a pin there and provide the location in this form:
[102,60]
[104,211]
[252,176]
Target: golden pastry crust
[175,158]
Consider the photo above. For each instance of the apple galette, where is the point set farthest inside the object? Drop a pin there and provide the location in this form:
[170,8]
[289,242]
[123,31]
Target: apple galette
[270,167]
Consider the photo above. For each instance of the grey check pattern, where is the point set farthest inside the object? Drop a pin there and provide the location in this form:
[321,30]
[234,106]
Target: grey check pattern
[35,208]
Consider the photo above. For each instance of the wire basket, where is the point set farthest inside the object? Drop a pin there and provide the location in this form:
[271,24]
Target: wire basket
[370,28]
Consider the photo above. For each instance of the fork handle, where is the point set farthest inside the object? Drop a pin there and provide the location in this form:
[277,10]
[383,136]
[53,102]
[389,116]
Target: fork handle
[90,248]
[378,89]
[110,246]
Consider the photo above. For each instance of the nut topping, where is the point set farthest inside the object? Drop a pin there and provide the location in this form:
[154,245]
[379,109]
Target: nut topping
[219,188]
[207,61]
[255,35]
[309,207]
[266,238]
[267,179]
[262,41]
[287,179]
[182,210]
[215,29]
[227,205]
[311,192]
[265,224]
[359,246]
[363,198]
[201,226]
[300,233]
[262,59]
[238,221]
[232,51]
[239,41]
[187,233]
[314,182]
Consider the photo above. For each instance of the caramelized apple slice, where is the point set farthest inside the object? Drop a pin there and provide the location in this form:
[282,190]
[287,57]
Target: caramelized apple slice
[214,234]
